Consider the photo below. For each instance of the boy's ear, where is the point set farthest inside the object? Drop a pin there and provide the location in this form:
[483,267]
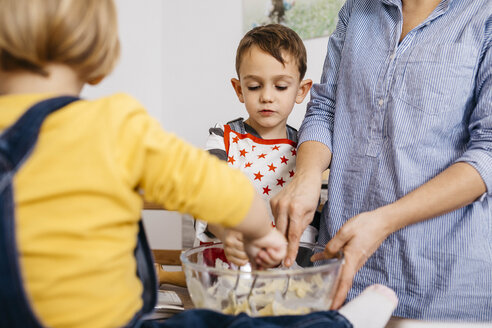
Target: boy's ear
[304,87]
[236,84]
[96,80]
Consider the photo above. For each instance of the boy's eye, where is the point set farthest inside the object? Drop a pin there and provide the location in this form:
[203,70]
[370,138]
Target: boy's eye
[253,88]
[281,87]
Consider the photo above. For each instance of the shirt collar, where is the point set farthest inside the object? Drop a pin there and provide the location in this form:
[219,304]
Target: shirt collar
[392,2]
[444,3]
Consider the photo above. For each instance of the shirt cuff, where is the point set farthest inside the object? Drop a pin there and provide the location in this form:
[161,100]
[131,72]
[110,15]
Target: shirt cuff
[482,162]
[313,131]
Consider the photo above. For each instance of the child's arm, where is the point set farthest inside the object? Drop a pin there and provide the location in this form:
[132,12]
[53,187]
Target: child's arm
[184,178]
[236,251]
[233,244]
[259,235]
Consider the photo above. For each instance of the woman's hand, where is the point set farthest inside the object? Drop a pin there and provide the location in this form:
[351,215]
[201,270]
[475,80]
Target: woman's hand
[359,238]
[294,207]
[458,185]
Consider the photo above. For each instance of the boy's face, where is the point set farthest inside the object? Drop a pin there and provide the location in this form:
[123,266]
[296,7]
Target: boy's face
[269,91]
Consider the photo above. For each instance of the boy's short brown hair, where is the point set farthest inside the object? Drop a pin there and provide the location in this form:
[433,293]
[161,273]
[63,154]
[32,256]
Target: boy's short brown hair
[273,39]
[82,34]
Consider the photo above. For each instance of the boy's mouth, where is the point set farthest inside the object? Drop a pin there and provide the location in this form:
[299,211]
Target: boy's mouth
[266,112]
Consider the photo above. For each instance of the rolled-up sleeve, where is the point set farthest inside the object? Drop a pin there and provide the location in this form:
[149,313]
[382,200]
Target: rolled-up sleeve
[479,150]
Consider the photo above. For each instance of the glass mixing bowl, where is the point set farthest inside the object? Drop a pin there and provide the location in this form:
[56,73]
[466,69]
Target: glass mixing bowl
[303,288]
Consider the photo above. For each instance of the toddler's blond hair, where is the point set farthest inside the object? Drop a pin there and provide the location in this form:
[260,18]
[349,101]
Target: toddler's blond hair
[82,34]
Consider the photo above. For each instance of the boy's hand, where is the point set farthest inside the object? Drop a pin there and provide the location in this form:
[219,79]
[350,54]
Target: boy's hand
[234,247]
[267,251]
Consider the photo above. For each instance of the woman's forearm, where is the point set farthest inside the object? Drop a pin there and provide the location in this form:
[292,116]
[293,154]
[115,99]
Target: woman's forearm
[455,187]
[312,156]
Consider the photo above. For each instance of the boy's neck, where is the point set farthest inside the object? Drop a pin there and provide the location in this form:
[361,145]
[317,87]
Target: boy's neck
[61,80]
[277,132]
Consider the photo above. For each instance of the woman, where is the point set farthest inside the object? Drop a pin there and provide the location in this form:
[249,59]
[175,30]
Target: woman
[403,118]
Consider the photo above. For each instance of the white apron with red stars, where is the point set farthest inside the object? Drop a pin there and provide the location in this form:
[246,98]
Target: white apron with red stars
[269,164]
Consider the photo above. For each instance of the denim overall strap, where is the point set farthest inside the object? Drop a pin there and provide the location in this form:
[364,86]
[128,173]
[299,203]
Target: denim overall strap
[146,273]
[16,143]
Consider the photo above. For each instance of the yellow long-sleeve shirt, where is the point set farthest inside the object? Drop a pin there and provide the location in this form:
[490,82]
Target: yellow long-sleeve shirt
[77,203]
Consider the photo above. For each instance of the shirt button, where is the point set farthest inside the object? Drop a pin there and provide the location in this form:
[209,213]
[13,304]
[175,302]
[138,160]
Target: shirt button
[392,56]
[380,102]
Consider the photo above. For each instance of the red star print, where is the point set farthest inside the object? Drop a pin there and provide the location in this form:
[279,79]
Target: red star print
[275,148]
[294,152]
[280,182]
[253,147]
[284,159]
[271,167]
[266,190]
[248,164]
[262,156]
[291,173]
[258,176]
[273,224]
[243,152]
[235,139]
[231,159]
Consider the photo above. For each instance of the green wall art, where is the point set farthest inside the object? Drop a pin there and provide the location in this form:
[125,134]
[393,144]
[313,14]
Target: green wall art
[309,18]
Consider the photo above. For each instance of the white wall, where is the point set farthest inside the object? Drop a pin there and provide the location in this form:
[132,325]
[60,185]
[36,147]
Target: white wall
[177,59]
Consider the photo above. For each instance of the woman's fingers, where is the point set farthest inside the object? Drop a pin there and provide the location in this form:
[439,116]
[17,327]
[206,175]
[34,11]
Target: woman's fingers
[291,220]
[344,283]
[294,208]
[294,233]
[359,238]
[334,246]
[280,212]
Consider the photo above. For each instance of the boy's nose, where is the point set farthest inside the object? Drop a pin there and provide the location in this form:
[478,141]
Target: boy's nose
[266,95]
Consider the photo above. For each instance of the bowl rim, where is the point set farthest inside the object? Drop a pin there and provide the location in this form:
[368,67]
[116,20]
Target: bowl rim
[331,264]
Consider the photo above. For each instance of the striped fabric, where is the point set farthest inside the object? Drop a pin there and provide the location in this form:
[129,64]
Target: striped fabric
[395,115]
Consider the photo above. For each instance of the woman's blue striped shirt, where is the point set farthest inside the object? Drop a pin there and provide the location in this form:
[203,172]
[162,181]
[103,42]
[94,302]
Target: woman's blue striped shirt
[396,114]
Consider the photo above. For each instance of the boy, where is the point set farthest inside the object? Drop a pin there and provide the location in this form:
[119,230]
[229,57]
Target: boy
[77,202]
[270,65]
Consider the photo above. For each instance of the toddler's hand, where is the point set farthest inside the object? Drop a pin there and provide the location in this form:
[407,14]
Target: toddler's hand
[267,251]
[234,247]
